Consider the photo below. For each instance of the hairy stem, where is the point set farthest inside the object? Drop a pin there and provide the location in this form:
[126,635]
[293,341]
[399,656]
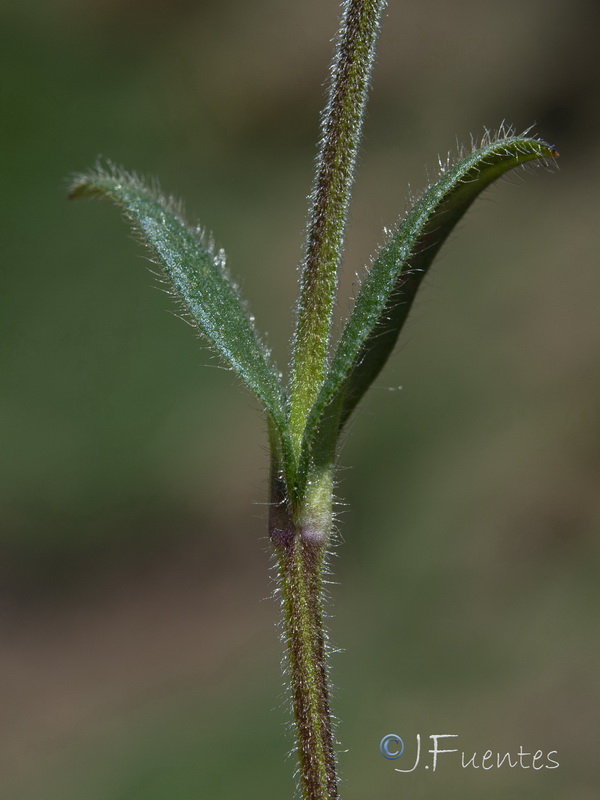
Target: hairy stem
[300,542]
[341,127]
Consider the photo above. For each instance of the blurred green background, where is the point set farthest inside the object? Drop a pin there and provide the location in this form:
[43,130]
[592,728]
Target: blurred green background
[139,654]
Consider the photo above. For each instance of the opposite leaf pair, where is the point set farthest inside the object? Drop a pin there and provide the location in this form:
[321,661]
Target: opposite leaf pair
[307,415]
[200,279]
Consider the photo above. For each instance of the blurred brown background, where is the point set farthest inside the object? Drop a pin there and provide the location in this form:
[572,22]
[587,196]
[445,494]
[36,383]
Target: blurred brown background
[139,656]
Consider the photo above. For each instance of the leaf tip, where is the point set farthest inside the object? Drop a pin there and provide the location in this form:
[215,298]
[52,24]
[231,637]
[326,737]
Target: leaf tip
[105,174]
[80,186]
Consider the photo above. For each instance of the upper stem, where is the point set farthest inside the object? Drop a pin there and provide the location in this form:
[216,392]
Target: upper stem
[341,125]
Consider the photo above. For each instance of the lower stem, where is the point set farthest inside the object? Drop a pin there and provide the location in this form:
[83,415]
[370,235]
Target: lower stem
[300,549]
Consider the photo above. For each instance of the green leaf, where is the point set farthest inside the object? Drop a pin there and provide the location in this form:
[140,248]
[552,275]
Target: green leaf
[388,290]
[199,278]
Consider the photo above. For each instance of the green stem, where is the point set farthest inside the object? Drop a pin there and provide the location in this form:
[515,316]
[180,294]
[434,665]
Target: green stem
[300,513]
[341,127]
[300,543]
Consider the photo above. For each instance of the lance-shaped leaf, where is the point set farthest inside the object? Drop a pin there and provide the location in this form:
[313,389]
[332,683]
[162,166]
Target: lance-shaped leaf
[388,290]
[200,280]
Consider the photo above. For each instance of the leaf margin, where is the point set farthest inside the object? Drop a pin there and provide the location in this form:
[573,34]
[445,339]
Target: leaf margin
[414,227]
[253,367]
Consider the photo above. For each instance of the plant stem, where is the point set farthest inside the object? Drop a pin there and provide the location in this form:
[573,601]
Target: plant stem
[300,542]
[300,512]
[341,125]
